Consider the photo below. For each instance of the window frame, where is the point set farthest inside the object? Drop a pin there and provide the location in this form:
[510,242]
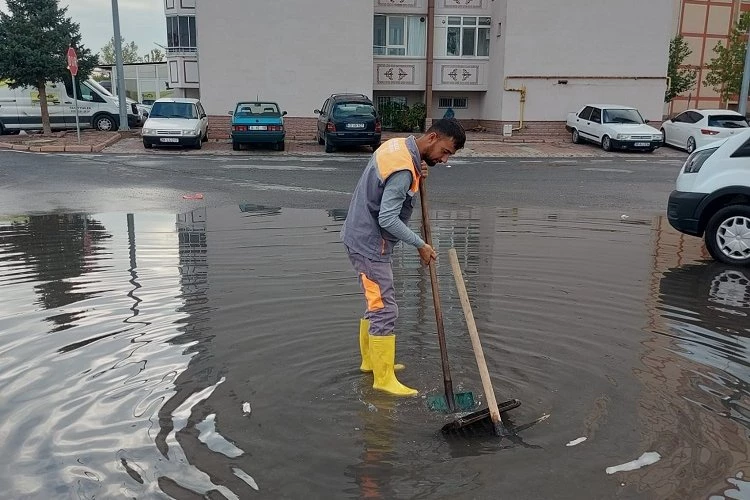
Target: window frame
[478,28]
[388,46]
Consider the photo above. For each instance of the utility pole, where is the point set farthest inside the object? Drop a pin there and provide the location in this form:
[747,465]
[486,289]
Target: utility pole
[120,70]
[430,61]
[742,109]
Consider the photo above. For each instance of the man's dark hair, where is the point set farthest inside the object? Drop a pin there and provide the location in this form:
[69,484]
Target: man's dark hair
[449,127]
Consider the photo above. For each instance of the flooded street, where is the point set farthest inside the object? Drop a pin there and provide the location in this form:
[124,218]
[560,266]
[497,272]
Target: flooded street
[214,352]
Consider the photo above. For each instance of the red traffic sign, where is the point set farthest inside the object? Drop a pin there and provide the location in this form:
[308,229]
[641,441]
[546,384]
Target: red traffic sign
[72,61]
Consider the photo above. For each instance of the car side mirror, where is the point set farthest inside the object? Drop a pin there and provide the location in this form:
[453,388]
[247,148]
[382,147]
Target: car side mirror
[283,113]
[317,111]
[231,113]
[203,115]
[647,121]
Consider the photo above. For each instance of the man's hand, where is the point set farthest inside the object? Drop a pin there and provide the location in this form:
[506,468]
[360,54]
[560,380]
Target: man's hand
[425,169]
[427,254]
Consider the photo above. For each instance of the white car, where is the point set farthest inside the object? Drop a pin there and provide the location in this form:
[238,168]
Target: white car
[176,122]
[712,198]
[613,127]
[694,128]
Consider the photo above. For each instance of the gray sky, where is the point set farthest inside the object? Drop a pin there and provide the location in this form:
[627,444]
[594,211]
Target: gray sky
[141,21]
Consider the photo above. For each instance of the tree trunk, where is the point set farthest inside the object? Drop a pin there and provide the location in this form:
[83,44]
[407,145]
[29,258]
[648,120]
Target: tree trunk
[42,88]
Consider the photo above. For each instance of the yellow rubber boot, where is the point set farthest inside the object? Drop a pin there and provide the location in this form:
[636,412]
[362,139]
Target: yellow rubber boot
[382,354]
[364,347]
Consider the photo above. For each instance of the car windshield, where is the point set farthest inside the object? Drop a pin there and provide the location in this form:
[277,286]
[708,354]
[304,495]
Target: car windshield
[727,121]
[352,109]
[257,109]
[622,116]
[174,110]
[99,88]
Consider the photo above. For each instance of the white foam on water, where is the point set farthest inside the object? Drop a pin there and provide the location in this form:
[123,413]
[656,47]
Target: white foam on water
[577,441]
[648,458]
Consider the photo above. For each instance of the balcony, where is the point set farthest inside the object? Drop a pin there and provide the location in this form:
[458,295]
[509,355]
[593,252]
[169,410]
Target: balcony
[399,73]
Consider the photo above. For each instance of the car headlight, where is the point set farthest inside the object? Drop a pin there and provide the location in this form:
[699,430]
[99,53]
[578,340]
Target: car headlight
[148,131]
[623,137]
[657,137]
[189,132]
[696,160]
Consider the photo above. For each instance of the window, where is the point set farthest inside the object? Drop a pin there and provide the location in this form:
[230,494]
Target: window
[468,36]
[399,36]
[453,102]
[181,32]
[596,115]
[84,93]
[727,121]
[585,114]
[174,110]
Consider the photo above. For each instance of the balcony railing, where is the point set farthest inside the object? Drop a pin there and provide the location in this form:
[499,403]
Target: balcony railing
[181,50]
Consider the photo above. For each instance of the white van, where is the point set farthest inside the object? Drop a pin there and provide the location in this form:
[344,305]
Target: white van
[97,107]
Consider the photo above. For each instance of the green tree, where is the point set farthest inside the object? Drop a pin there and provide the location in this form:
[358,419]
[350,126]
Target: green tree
[34,40]
[155,55]
[680,80]
[725,70]
[129,52]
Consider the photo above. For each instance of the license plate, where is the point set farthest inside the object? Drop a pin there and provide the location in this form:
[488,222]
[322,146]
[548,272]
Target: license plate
[257,127]
[355,125]
[169,139]
[642,144]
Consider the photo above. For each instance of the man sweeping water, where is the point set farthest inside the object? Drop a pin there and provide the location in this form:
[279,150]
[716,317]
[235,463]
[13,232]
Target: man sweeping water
[378,215]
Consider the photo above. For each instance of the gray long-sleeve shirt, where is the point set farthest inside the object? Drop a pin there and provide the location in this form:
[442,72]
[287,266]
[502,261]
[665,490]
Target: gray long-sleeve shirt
[395,193]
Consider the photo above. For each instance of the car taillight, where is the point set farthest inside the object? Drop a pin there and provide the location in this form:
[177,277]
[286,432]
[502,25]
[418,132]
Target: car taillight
[378,126]
[275,128]
[706,131]
[239,128]
[330,127]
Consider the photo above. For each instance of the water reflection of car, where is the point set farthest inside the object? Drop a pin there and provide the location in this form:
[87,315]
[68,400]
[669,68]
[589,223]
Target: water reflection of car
[712,198]
[176,122]
[694,128]
[258,122]
[348,120]
[613,127]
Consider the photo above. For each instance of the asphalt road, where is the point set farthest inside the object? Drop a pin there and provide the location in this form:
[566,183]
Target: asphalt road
[33,183]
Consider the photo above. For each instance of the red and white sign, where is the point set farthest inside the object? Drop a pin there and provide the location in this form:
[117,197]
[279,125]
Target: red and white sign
[72,61]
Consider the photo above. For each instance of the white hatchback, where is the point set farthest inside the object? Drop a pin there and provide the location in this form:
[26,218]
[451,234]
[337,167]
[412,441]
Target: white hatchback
[695,128]
[175,122]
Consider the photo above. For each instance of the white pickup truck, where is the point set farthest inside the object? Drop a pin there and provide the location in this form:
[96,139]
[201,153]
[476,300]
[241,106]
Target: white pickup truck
[613,127]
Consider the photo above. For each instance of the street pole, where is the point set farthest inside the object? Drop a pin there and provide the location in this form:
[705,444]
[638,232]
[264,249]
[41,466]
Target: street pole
[75,99]
[120,70]
[742,109]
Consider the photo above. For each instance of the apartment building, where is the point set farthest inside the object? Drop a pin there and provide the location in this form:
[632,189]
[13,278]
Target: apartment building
[492,62]
[703,24]
[182,48]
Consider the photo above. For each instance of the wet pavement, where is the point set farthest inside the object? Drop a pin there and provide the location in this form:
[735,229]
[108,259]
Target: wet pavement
[213,351]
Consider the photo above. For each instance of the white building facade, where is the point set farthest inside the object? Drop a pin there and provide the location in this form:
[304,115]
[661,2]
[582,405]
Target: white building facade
[490,61]
[182,48]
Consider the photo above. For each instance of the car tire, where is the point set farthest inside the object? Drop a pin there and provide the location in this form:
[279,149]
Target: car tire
[280,146]
[2,129]
[375,146]
[320,141]
[663,137]
[329,146]
[104,123]
[235,146]
[575,137]
[199,143]
[728,235]
[690,147]
[147,144]
[606,143]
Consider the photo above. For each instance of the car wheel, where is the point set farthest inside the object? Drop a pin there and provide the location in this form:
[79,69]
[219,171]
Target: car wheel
[606,143]
[690,145]
[199,143]
[235,146]
[575,137]
[663,137]
[147,144]
[375,146]
[105,123]
[320,140]
[280,146]
[728,235]
[2,129]
[329,146]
